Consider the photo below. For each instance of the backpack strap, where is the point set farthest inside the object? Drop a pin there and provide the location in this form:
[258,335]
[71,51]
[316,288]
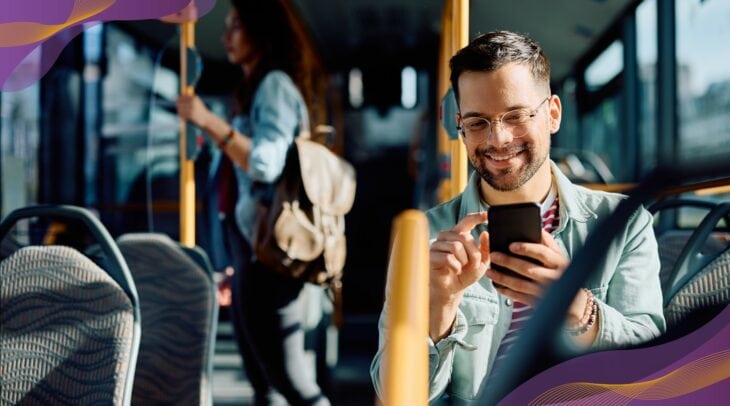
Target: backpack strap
[304,127]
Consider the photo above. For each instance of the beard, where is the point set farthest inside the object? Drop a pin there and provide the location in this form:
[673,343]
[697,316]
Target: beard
[507,180]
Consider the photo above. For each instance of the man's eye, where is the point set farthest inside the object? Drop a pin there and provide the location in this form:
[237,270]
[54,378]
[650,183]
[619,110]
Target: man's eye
[476,125]
[519,117]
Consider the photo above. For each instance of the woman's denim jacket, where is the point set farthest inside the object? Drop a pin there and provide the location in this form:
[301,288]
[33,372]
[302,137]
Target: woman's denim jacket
[278,114]
[626,288]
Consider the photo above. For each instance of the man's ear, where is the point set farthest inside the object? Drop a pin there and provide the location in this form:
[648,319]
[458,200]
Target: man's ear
[556,113]
[457,117]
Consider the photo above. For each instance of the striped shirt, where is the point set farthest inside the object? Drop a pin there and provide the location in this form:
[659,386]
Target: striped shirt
[522,312]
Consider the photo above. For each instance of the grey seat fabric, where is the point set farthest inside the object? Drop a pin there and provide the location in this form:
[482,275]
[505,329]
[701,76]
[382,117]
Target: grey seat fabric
[710,288]
[66,330]
[670,246]
[700,282]
[179,313]
[671,241]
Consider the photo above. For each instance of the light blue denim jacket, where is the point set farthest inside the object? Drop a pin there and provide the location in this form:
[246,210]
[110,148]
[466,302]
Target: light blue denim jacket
[626,289]
[278,113]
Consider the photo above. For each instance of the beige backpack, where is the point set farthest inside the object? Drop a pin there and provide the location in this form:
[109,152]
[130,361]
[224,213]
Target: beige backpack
[302,232]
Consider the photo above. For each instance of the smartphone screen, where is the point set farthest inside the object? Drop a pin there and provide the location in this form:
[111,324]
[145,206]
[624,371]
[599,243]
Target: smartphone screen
[520,222]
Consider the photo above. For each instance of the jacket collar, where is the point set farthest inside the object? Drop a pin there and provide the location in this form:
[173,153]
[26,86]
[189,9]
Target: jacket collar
[572,201]
[471,201]
[572,198]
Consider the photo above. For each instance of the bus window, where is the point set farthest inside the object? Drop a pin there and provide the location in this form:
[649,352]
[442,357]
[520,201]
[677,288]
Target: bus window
[703,79]
[19,139]
[608,64]
[139,136]
[646,49]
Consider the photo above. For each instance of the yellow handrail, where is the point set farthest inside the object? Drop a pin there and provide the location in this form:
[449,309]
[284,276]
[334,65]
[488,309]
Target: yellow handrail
[187,166]
[454,36]
[406,358]
[460,39]
[444,146]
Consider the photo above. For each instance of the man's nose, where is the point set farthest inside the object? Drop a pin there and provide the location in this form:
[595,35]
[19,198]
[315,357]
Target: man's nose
[497,135]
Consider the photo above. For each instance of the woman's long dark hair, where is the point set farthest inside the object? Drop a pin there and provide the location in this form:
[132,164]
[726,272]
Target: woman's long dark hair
[278,36]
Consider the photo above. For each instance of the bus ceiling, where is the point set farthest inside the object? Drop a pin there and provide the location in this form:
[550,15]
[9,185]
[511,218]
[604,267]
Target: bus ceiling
[365,33]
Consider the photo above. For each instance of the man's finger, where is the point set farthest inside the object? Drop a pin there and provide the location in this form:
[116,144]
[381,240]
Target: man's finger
[453,247]
[545,255]
[548,240]
[484,246]
[469,222]
[445,260]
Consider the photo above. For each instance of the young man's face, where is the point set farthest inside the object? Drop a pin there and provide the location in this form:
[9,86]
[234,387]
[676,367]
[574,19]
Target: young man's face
[508,153]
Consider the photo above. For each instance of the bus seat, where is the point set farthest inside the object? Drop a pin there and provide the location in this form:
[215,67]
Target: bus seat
[672,241]
[708,289]
[701,277]
[670,246]
[179,314]
[68,330]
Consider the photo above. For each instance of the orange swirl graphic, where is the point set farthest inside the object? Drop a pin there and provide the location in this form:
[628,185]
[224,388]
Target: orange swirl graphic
[24,33]
[694,376]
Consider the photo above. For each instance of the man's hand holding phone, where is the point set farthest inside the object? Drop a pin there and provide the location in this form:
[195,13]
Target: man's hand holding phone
[524,269]
[456,261]
[532,278]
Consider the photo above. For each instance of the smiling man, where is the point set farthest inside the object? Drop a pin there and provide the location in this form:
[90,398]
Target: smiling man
[506,118]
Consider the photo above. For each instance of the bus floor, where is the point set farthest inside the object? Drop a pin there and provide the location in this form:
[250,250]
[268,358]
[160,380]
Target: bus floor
[350,379]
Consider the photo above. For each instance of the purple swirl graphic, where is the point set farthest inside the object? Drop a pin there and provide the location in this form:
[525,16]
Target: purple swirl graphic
[617,369]
[34,32]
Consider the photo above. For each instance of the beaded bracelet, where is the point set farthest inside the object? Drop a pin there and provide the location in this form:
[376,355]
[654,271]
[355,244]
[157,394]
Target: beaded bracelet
[227,139]
[588,319]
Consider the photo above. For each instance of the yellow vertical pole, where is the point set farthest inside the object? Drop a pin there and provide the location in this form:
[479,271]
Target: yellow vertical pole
[187,166]
[460,38]
[406,358]
[444,146]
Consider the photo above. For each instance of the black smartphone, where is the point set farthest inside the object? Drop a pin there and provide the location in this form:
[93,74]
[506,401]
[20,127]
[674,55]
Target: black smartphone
[508,223]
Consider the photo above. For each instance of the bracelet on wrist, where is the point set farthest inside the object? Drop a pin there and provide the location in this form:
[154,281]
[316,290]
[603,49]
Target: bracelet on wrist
[227,139]
[589,317]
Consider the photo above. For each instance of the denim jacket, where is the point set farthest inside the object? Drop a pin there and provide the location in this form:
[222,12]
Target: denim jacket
[278,114]
[626,289]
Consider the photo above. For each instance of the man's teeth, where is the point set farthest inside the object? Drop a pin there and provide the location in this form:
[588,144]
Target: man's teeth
[502,158]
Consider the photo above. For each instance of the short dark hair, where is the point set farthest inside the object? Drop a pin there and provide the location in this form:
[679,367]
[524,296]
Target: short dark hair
[489,52]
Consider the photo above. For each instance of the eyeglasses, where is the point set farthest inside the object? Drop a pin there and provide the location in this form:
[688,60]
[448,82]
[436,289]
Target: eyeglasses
[515,122]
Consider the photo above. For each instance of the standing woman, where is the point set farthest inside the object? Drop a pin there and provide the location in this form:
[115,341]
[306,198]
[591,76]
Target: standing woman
[270,112]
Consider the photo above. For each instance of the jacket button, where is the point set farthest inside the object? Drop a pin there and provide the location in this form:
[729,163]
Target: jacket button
[508,301]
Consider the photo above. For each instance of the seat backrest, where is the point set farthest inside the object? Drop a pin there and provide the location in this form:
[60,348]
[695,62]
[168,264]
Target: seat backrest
[671,241]
[708,289]
[704,246]
[179,311]
[670,246]
[701,277]
[67,330]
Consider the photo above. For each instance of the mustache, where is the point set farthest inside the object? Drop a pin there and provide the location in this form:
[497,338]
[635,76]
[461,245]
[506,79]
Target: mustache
[503,151]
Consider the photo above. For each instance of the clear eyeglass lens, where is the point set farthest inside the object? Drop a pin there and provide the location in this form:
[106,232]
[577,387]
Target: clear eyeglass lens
[513,122]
